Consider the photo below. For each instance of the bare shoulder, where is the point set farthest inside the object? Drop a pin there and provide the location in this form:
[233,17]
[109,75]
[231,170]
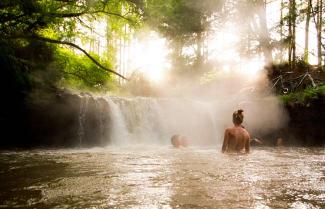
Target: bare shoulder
[246,133]
[228,130]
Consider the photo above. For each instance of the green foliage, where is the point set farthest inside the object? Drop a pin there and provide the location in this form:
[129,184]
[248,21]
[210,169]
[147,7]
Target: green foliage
[41,64]
[13,69]
[20,60]
[178,18]
[78,72]
[304,96]
[29,16]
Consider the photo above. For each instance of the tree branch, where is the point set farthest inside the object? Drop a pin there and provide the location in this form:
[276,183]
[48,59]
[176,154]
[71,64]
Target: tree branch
[72,45]
[315,21]
[77,14]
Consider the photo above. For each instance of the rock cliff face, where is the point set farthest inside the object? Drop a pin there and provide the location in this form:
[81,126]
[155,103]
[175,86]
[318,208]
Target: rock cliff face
[69,120]
[307,121]
[55,121]
[58,120]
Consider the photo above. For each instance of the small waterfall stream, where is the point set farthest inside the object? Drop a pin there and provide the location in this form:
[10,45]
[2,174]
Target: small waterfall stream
[82,118]
[118,131]
[100,117]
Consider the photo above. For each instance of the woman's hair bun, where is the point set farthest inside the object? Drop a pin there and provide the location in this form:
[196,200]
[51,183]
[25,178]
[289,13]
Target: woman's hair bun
[237,117]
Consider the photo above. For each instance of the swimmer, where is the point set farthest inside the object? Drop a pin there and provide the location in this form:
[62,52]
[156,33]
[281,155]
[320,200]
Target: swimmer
[175,141]
[236,139]
[178,141]
[256,141]
[279,142]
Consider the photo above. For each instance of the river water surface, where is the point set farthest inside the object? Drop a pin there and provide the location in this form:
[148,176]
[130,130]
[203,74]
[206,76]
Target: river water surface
[162,177]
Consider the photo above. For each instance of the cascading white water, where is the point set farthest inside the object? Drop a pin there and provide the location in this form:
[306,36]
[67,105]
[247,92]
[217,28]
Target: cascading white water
[154,121]
[118,132]
[100,118]
[82,117]
[139,120]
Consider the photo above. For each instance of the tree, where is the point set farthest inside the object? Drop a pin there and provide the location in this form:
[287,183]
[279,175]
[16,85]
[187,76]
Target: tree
[264,37]
[281,28]
[185,24]
[291,18]
[319,24]
[306,49]
[55,21]
[253,28]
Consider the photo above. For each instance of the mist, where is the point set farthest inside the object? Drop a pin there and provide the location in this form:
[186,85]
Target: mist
[200,108]
[202,111]
[198,111]
[190,87]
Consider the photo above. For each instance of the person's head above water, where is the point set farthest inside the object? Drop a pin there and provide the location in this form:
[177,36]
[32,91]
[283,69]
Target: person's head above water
[175,140]
[179,141]
[238,117]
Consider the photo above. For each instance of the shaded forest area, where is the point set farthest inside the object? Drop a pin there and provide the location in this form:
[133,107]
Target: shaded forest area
[41,57]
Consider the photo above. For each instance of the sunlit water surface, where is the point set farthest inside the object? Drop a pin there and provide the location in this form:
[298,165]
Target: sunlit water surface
[163,177]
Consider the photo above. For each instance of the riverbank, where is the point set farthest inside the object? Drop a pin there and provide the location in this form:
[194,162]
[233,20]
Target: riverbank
[306,119]
[307,116]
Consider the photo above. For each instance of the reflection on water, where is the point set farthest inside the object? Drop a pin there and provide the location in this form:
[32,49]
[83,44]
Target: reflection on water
[153,177]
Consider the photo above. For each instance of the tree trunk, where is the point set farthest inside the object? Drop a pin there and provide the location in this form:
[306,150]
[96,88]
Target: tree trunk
[290,35]
[293,42]
[264,33]
[306,50]
[281,29]
[120,58]
[124,51]
[199,48]
[319,31]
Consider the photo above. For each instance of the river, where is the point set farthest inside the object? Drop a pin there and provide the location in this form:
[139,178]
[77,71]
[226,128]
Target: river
[162,177]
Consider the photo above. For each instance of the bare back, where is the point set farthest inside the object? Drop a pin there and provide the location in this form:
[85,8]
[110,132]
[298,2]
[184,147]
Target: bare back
[236,139]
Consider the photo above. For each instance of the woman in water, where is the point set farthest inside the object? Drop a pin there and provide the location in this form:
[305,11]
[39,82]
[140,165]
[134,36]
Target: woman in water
[236,139]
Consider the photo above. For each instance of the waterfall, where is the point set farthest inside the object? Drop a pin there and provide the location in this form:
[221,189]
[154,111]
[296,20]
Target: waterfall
[100,118]
[82,118]
[154,121]
[118,131]
[139,120]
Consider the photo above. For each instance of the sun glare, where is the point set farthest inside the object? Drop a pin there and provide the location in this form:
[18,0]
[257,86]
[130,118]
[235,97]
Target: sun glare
[253,67]
[150,57]
[249,68]
[223,46]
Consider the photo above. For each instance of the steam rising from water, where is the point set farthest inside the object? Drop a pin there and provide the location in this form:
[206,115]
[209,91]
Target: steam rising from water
[230,91]
[201,107]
